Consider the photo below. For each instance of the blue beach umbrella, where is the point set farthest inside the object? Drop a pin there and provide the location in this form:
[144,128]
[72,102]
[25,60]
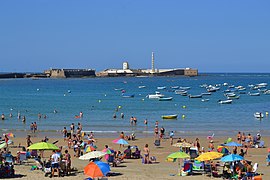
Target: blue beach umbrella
[120,141]
[232,144]
[231,158]
[104,167]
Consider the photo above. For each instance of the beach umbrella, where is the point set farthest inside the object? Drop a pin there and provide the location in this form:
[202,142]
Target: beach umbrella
[107,151]
[43,146]
[3,144]
[178,155]
[89,148]
[120,141]
[209,156]
[231,158]
[10,135]
[223,150]
[182,144]
[92,154]
[232,144]
[96,169]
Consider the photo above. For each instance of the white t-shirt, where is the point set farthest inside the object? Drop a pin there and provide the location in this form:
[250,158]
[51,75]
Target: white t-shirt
[55,158]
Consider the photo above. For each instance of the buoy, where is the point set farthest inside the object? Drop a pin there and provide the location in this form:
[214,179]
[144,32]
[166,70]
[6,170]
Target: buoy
[65,94]
[69,91]
[184,107]
[119,107]
[99,101]
[37,89]
[105,95]
[266,113]
[183,116]
[142,99]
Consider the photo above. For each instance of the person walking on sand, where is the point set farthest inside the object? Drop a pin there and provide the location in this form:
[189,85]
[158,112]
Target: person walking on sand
[156,131]
[55,163]
[211,146]
[171,137]
[146,152]
[64,132]
[28,141]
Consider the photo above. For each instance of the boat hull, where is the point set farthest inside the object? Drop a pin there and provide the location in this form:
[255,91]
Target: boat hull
[174,116]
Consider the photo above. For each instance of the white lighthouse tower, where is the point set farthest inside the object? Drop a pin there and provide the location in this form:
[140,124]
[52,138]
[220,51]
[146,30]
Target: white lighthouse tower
[153,63]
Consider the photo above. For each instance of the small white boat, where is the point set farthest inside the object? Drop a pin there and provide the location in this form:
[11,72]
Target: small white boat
[267,92]
[254,94]
[206,94]
[195,96]
[180,92]
[161,87]
[230,94]
[185,88]
[118,89]
[258,115]
[155,96]
[233,97]
[140,87]
[205,100]
[213,89]
[229,101]
[175,87]
[165,98]
[128,95]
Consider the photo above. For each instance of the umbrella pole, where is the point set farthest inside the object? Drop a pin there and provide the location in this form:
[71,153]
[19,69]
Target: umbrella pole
[179,167]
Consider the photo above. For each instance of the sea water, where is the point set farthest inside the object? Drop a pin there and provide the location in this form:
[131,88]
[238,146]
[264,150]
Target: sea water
[98,100]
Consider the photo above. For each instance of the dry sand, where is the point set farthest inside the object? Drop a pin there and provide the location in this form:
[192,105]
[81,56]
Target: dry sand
[133,168]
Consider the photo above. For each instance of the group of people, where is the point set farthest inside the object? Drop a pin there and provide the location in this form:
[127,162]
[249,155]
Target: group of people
[33,127]
[248,140]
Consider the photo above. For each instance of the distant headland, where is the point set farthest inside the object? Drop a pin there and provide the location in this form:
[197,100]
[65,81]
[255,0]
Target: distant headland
[125,71]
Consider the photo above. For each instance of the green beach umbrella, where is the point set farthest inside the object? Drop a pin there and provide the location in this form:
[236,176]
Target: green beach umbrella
[178,155]
[3,145]
[43,146]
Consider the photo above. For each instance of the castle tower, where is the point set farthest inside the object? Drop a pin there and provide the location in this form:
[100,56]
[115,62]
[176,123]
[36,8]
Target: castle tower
[153,63]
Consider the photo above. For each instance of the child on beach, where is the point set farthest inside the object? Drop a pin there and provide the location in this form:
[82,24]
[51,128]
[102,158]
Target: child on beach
[146,152]
[64,132]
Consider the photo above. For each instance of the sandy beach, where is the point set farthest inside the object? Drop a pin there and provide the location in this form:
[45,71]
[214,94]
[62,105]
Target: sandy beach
[133,168]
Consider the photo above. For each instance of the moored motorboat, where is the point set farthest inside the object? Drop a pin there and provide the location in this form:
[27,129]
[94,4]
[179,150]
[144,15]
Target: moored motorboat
[155,96]
[140,87]
[233,97]
[258,115]
[165,98]
[229,101]
[173,116]
[206,93]
[254,94]
[205,100]
[161,87]
[195,96]
[230,94]
[185,88]
[124,95]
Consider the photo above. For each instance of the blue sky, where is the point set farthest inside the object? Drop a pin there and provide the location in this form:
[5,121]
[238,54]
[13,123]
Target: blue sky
[213,36]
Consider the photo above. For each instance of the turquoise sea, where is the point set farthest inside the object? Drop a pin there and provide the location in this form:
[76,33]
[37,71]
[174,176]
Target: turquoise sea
[98,100]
